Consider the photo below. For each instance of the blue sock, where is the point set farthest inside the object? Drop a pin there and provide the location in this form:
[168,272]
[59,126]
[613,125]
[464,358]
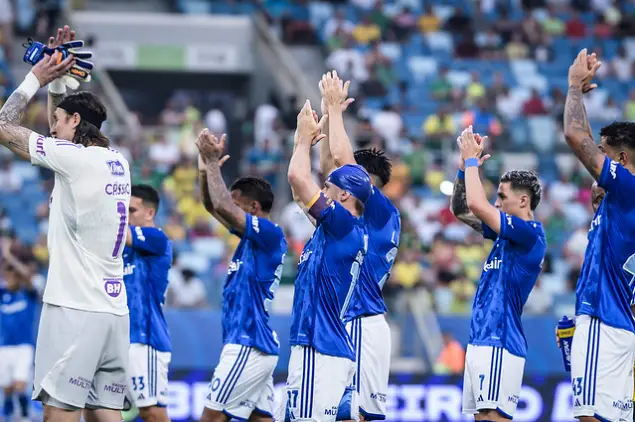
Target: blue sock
[8,405]
[24,404]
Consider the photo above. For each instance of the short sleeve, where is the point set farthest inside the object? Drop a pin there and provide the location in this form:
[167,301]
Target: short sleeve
[63,157]
[618,182]
[336,220]
[149,239]
[489,233]
[518,231]
[379,210]
[263,233]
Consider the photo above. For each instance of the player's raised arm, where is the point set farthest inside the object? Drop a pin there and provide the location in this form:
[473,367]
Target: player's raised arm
[12,134]
[458,203]
[307,133]
[476,198]
[577,130]
[204,190]
[334,102]
[57,89]
[211,150]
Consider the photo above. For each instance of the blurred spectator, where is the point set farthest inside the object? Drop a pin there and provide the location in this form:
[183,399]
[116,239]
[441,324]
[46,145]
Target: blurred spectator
[621,66]
[534,106]
[428,21]
[48,12]
[552,24]
[482,119]
[404,23]
[372,87]
[439,127]
[378,17]
[516,48]
[388,124]
[441,88]
[264,124]
[164,154]
[505,25]
[602,29]
[348,61]
[10,179]
[366,31]
[458,23]
[407,273]
[629,107]
[540,300]
[475,89]
[452,357]
[338,22]
[489,42]
[174,229]
[265,161]
[467,48]
[575,28]
[6,30]
[185,289]
[531,29]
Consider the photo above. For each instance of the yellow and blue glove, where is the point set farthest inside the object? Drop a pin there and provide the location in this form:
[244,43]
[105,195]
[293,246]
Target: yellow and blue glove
[80,71]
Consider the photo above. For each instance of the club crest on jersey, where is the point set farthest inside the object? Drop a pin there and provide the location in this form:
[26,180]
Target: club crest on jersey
[494,264]
[113,286]
[116,168]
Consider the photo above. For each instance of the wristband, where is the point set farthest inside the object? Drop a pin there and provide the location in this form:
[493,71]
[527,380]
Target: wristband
[460,175]
[471,162]
[57,87]
[30,85]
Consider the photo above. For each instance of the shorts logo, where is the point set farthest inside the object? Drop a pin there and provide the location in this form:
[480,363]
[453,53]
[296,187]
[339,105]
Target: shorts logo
[513,399]
[113,286]
[623,405]
[115,388]
[331,412]
[39,146]
[116,168]
[215,384]
[381,397]
[248,404]
[80,382]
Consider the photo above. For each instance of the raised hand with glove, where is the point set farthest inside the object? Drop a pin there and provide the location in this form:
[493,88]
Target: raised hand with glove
[66,45]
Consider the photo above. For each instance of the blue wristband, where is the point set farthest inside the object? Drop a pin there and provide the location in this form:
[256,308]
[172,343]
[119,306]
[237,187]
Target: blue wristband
[471,162]
[460,175]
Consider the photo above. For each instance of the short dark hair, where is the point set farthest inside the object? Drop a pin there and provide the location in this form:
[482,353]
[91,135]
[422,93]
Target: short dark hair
[88,133]
[147,194]
[375,162]
[256,189]
[619,135]
[525,180]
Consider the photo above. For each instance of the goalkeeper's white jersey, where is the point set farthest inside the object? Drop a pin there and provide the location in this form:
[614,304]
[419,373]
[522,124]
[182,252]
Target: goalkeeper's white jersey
[87,224]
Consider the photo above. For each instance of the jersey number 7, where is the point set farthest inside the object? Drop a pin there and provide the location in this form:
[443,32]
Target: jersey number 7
[123,214]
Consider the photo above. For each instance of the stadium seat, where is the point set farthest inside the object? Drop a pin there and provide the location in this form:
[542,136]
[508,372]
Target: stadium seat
[422,67]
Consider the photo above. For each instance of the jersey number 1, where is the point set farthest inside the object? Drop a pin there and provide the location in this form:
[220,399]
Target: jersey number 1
[123,213]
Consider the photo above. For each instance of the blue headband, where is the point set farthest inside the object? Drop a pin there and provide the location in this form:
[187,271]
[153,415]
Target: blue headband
[353,179]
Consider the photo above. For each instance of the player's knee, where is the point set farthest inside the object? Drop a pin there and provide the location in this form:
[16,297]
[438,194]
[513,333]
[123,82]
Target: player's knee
[210,415]
[154,414]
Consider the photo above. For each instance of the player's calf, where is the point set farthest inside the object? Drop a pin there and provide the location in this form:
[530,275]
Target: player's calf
[490,416]
[154,414]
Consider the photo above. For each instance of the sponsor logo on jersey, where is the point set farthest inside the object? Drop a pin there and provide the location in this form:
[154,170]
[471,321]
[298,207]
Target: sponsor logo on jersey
[139,232]
[304,257]
[128,269]
[39,146]
[116,168]
[494,264]
[117,189]
[13,308]
[113,286]
[509,220]
[254,224]
[234,266]
[595,222]
[613,169]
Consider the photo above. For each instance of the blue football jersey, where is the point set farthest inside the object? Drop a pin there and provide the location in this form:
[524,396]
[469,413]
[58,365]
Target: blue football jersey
[508,276]
[17,316]
[252,280]
[146,266]
[328,270]
[604,288]
[383,224]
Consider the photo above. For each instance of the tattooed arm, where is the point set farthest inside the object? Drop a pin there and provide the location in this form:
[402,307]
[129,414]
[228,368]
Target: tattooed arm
[577,132]
[12,135]
[224,209]
[207,200]
[459,207]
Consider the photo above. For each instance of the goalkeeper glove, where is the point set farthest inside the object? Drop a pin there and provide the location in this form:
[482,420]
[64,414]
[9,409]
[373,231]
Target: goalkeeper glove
[79,72]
